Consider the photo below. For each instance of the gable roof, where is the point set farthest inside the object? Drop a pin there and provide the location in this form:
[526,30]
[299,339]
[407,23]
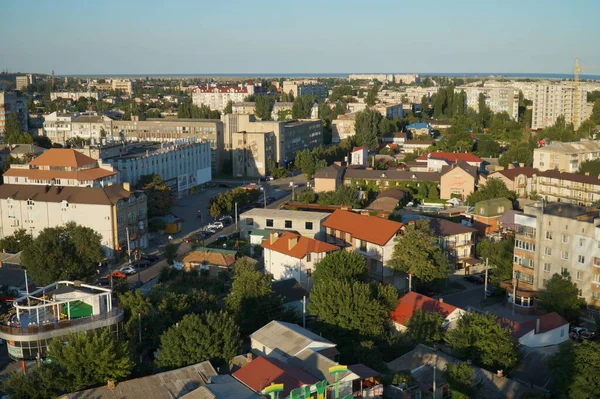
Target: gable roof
[287,337]
[262,371]
[65,157]
[548,322]
[368,228]
[393,175]
[491,206]
[108,195]
[411,302]
[42,174]
[222,387]
[445,228]
[331,172]
[470,169]
[511,174]
[358,149]
[212,256]
[303,246]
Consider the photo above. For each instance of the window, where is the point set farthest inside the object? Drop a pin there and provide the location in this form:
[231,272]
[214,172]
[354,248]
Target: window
[563,270]
[308,272]
[565,238]
[363,245]
[269,222]
[581,259]
[581,242]
[288,224]
[308,258]
[579,275]
[548,235]
[548,251]
[547,267]
[500,209]
[565,255]
[308,225]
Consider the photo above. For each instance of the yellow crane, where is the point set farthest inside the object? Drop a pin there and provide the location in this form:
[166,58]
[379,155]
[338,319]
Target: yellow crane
[576,96]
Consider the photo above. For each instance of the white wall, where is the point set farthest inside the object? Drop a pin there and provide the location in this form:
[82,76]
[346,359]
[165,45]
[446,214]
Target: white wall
[552,337]
[283,266]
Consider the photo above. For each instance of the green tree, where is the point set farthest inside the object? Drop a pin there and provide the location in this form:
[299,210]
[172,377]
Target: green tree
[367,129]
[39,383]
[302,107]
[13,133]
[488,147]
[417,253]
[213,336]
[461,379]
[16,242]
[575,370]
[277,172]
[341,265]
[170,253]
[595,116]
[136,305]
[307,162]
[189,110]
[69,252]
[343,305]
[500,257]
[306,197]
[425,327]
[42,141]
[434,193]
[159,196]
[263,106]
[87,359]
[494,188]
[561,296]
[228,108]
[345,195]
[481,338]
[371,98]
[591,166]
[519,152]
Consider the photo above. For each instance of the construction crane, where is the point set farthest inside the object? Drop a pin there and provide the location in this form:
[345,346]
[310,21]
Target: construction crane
[576,96]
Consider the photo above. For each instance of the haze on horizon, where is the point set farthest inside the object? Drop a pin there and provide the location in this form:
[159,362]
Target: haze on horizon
[236,36]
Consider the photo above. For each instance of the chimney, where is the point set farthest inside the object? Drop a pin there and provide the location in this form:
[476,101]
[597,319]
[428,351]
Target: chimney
[111,384]
[126,186]
[249,357]
[537,325]
[441,300]
[511,166]
[292,242]
[273,237]
[587,173]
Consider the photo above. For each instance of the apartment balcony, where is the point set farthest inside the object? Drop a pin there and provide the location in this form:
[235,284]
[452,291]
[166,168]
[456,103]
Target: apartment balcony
[453,244]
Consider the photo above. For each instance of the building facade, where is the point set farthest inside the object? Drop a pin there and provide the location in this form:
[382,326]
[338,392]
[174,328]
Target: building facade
[565,156]
[23,81]
[11,103]
[251,153]
[216,97]
[343,127]
[308,224]
[74,96]
[57,126]
[552,100]
[497,98]
[305,88]
[91,127]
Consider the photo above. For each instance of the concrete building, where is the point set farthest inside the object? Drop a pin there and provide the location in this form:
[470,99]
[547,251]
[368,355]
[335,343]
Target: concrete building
[216,97]
[283,107]
[182,166]
[23,81]
[415,94]
[358,156]
[390,111]
[553,100]
[68,307]
[486,214]
[551,239]
[74,96]
[308,224]
[11,103]
[305,88]
[412,146]
[244,108]
[251,153]
[91,127]
[407,78]
[567,156]
[437,160]
[497,98]
[57,126]
[458,180]
[123,85]
[343,127]
[382,77]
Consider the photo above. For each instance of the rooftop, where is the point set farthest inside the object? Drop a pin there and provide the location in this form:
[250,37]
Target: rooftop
[368,228]
[411,302]
[108,195]
[63,157]
[288,338]
[211,256]
[565,210]
[332,172]
[394,175]
[451,157]
[222,387]
[573,147]
[289,289]
[284,214]
[297,246]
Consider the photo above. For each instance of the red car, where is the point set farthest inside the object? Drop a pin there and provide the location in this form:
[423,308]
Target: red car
[117,275]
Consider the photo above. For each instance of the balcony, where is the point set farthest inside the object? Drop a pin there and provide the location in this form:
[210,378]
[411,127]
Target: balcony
[454,244]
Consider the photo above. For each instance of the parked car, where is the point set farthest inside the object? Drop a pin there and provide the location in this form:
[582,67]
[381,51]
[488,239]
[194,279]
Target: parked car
[150,258]
[128,270]
[474,278]
[143,263]
[208,232]
[582,333]
[223,185]
[215,225]
[116,275]
[492,290]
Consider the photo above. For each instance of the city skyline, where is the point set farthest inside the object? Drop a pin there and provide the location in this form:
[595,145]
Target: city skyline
[271,38]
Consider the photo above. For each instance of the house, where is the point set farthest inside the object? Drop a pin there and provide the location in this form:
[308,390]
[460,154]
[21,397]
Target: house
[389,200]
[394,138]
[436,161]
[170,384]
[411,302]
[292,294]
[516,179]
[412,146]
[223,387]
[545,330]
[458,180]
[358,156]
[308,224]
[387,178]
[421,361]
[329,178]
[371,236]
[438,124]
[419,128]
[486,214]
[212,260]
[343,127]
[292,255]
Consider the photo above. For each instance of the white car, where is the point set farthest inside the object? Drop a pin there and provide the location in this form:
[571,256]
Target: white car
[215,225]
[129,270]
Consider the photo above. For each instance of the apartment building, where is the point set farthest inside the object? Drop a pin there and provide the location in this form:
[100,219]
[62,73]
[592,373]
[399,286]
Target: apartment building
[11,103]
[343,127]
[244,108]
[305,88]
[251,153]
[567,156]
[390,111]
[216,97]
[497,98]
[552,100]
[24,80]
[307,224]
[182,166]
[552,239]
[415,94]
[74,96]
[57,126]
[91,127]
[123,85]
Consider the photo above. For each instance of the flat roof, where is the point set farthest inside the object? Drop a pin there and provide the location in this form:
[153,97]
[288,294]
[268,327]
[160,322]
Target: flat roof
[284,213]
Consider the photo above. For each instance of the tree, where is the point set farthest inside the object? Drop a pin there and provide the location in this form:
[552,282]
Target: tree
[341,265]
[69,252]
[87,359]
[307,196]
[371,98]
[135,304]
[416,253]
[252,299]
[160,200]
[345,195]
[500,257]
[213,336]
[488,147]
[309,164]
[425,327]
[228,108]
[481,338]
[575,370]
[13,133]
[189,110]
[39,383]
[434,193]
[277,172]
[42,141]
[591,167]
[263,106]
[521,153]
[595,116]
[494,188]
[367,129]
[302,107]
[170,253]
[343,306]
[16,242]
[561,296]
[461,378]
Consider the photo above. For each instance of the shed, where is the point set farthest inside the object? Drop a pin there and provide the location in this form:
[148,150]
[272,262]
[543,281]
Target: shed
[173,224]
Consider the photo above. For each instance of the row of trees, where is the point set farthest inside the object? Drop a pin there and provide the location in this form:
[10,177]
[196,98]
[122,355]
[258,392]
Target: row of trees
[224,203]
[345,195]
[189,110]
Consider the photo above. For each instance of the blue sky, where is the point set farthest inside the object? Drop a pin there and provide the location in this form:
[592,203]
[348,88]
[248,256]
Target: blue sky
[297,36]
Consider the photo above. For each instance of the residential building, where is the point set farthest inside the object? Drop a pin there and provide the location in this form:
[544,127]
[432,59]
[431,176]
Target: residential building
[222,386]
[110,210]
[244,108]
[11,103]
[182,166]
[62,167]
[419,128]
[370,236]
[281,106]
[438,160]
[22,152]
[216,97]
[57,126]
[497,98]
[355,107]
[91,127]
[358,156]
[387,178]
[415,94]
[343,127]
[76,95]
[251,153]
[407,78]
[212,261]
[567,156]
[382,77]
[552,100]
[458,180]
[329,178]
[389,111]
[438,124]
[552,238]
[486,214]
[308,224]
[122,85]
[543,331]
[394,138]
[68,307]
[412,146]
[518,180]
[290,255]
[389,200]
[23,81]
[305,88]
[411,302]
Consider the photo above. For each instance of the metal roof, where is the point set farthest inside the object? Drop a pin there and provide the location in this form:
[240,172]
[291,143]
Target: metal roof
[287,337]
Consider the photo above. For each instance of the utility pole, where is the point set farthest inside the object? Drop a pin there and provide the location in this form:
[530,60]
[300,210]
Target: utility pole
[486,279]
[514,295]
[265,195]
[409,282]
[128,247]
[140,333]
[434,374]
[236,219]
[304,311]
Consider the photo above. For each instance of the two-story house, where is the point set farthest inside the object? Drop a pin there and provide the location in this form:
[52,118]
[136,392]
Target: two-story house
[371,236]
[308,224]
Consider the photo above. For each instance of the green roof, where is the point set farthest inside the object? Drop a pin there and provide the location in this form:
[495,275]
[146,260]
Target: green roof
[492,207]
[261,232]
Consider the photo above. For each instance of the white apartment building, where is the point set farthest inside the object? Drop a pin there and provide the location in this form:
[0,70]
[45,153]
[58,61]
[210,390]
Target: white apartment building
[124,85]
[24,80]
[217,97]
[57,126]
[567,156]
[497,98]
[415,94]
[401,78]
[307,224]
[74,96]
[305,88]
[91,127]
[10,103]
[553,100]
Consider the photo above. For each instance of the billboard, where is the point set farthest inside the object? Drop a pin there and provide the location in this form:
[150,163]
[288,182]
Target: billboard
[186,181]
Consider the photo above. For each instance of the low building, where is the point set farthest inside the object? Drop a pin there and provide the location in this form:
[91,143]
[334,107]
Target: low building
[419,128]
[13,103]
[518,180]
[456,240]
[387,178]
[24,152]
[394,138]
[244,108]
[91,127]
[290,255]
[307,224]
[343,127]
[458,180]
[251,153]
[76,95]
[213,261]
[437,160]
[412,146]
[329,178]
[412,302]
[68,307]
[487,213]
[547,330]
[358,156]
[389,200]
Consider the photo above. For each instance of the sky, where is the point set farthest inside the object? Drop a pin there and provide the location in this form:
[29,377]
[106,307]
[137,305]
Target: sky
[298,36]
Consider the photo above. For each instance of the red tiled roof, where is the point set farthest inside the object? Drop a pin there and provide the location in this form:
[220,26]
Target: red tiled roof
[303,246]
[42,174]
[368,228]
[411,302]
[357,149]
[221,89]
[514,172]
[262,371]
[63,157]
[451,156]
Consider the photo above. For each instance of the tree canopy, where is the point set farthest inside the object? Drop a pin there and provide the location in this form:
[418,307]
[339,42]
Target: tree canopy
[425,327]
[16,242]
[69,252]
[39,383]
[189,110]
[575,370]
[13,133]
[345,195]
[591,166]
[213,336]
[494,188]
[263,106]
[159,198]
[367,129]
[461,379]
[302,107]
[500,257]
[561,296]
[308,163]
[224,203]
[341,265]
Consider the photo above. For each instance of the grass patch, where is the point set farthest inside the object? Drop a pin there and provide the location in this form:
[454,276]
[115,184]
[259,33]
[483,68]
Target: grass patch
[491,300]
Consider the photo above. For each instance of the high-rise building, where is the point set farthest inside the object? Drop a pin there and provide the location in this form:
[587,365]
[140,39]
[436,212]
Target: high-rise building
[552,100]
[24,80]
[497,98]
[10,103]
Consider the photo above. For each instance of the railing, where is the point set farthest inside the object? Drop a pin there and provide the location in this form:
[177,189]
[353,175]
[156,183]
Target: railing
[454,244]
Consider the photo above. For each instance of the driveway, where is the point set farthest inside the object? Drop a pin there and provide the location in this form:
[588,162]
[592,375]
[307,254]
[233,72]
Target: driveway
[533,367]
